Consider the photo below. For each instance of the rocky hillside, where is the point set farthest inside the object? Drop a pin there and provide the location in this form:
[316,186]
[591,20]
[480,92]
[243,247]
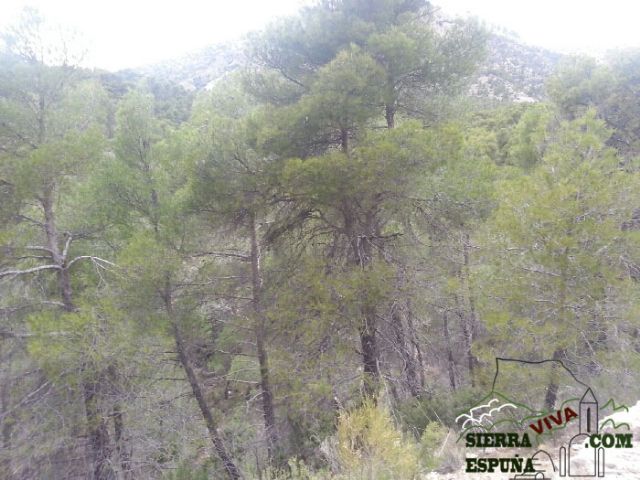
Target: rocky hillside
[514,71]
[199,69]
[511,70]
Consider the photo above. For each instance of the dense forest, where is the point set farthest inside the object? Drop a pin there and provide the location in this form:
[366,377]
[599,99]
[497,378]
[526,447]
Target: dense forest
[307,270]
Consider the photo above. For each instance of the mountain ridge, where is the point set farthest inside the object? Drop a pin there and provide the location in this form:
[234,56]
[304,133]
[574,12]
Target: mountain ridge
[511,71]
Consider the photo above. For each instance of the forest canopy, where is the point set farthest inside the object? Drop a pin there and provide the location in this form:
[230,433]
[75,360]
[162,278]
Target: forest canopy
[307,269]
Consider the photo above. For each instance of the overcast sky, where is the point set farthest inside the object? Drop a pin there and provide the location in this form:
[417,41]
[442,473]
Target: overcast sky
[129,33]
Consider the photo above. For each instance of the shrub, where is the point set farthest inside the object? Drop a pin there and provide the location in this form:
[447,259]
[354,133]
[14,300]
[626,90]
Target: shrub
[370,447]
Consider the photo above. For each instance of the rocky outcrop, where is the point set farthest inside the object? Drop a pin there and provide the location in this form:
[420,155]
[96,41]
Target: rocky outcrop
[513,71]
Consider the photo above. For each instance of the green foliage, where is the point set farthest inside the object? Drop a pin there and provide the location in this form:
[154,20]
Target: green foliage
[553,236]
[332,216]
[611,88]
[415,58]
[578,85]
[187,472]
[141,259]
[370,447]
[55,163]
[344,93]
[621,108]
[528,139]
[442,408]
[432,445]
[297,470]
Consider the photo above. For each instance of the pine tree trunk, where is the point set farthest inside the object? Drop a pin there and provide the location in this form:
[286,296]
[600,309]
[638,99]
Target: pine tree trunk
[552,389]
[121,444]
[450,362]
[389,115]
[218,445]
[57,256]
[268,410]
[97,431]
[409,365]
[472,320]
[413,335]
[361,256]
[467,339]
[369,345]
[7,424]
[124,454]
[344,141]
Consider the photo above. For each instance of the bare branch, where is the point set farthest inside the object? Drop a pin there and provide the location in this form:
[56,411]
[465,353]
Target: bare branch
[13,273]
[97,260]
[539,270]
[38,247]
[26,398]
[16,308]
[66,245]
[53,302]
[10,334]
[37,257]
[30,220]
[220,254]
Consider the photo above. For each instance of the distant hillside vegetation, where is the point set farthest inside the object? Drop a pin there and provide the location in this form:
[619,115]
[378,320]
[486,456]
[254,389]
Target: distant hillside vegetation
[511,71]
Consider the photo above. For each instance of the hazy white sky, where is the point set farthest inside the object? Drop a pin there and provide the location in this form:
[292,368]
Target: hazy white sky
[127,33]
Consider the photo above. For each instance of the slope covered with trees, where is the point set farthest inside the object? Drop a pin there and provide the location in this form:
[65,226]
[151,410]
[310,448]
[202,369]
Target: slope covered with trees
[308,270]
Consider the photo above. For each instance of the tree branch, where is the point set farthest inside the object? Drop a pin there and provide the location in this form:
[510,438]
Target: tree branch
[38,247]
[10,334]
[92,258]
[13,273]
[30,220]
[65,250]
[220,254]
